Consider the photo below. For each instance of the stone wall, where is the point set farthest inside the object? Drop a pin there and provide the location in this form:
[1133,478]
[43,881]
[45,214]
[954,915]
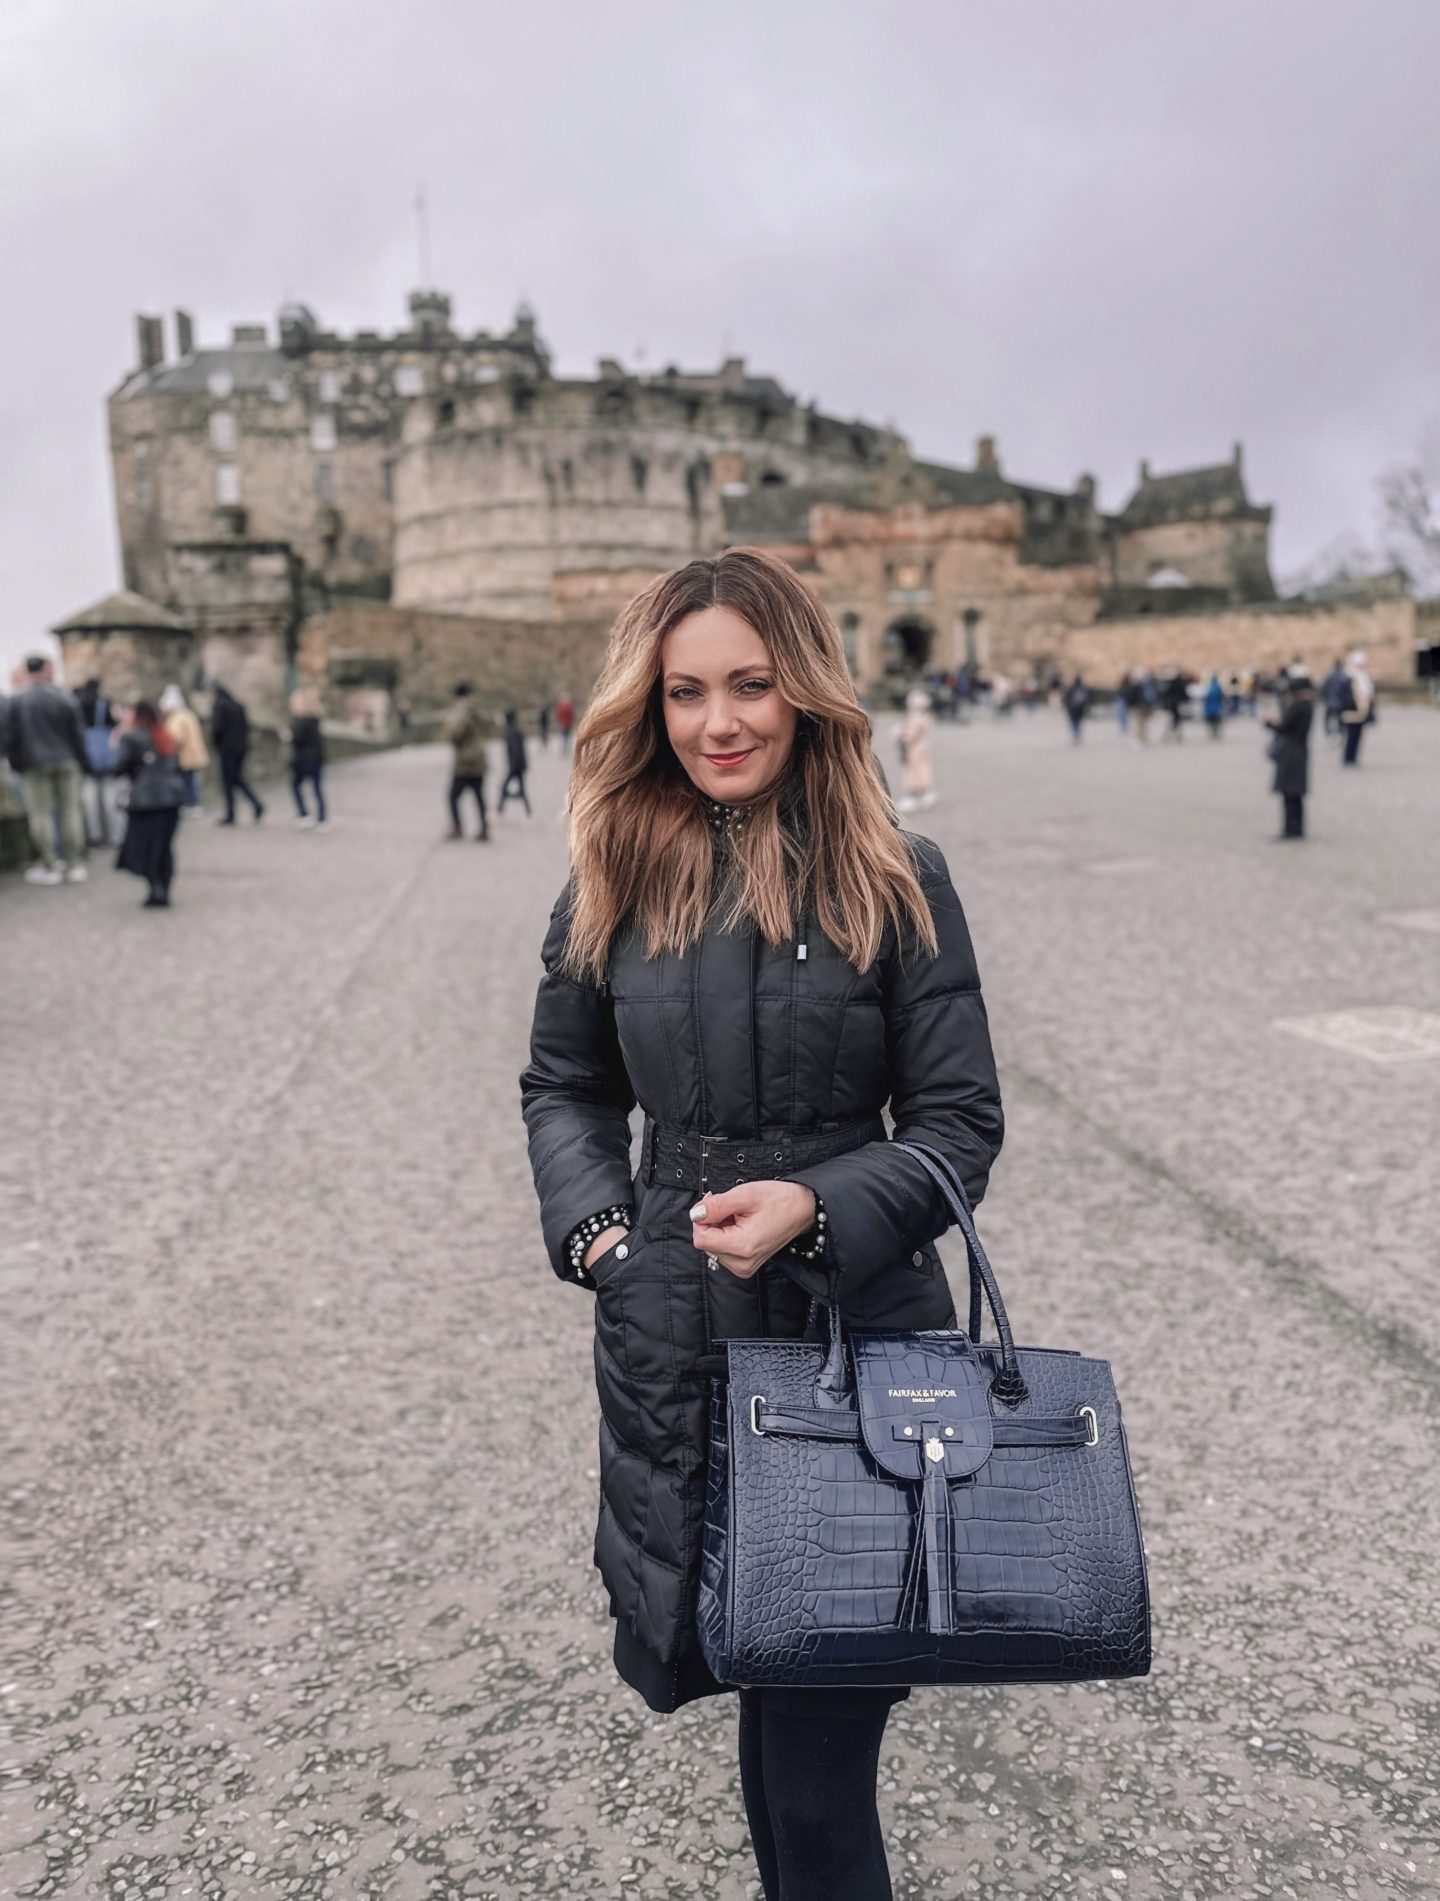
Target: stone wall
[1232,554]
[932,568]
[130,666]
[509,662]
[500,493]
[1265,635]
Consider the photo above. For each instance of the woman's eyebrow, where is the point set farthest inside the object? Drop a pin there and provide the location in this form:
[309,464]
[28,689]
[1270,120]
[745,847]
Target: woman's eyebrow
[735,673]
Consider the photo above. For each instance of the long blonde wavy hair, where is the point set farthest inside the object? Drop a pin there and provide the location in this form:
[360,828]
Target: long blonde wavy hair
[822,833]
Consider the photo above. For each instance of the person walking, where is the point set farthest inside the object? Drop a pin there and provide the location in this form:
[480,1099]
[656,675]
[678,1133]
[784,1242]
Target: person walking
[516,764]
[1143,704]
[1290,749]
[97,724]
[190,749]
[307,762]
[1174,697]
[230,730]
[1213,707]
[542,725]
[565,720]
[1077,705]
[45,745]
[1357,706]
[1124,700]
[917,773]
[469,731]
[148,757]
[1333,695]
[750,948]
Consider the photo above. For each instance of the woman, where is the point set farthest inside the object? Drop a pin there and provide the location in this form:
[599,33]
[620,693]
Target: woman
[516,764]
[1357,706]
[147,758]
[307,761]
[750,947]
[917,774]
[1290,749]
[190,748]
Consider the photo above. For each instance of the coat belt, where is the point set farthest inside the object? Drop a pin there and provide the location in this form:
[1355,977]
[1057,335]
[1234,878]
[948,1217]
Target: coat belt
[709,1164]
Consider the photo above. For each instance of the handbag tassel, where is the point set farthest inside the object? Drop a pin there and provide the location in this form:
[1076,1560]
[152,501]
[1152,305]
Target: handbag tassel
[932,1552]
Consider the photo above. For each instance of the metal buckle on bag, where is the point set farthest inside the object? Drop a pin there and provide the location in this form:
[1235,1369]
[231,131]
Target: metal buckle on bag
[757,1400]
[1087,1413]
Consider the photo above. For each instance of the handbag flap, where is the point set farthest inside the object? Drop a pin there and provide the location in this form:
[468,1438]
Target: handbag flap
[923,1397]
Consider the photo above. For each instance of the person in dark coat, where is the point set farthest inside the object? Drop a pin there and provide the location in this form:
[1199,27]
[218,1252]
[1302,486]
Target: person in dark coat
[1077,705]
[147,757]
[516,764]
[1290,749]
[750,948]
[307,761]
[230,729]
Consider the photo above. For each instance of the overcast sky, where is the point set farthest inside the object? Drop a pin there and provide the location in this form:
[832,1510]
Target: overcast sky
[1099,229]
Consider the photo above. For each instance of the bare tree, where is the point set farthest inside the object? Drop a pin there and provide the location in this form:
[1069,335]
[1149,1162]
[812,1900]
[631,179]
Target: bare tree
[1410,514]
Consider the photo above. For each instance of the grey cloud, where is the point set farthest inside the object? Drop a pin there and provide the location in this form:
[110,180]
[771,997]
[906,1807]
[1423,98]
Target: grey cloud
[1099,231]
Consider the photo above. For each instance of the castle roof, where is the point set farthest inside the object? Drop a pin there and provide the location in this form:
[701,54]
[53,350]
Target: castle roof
[251,366]
[122,612]
[1186,494]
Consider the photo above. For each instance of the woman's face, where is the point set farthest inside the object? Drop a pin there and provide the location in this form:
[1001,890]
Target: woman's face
[731,729]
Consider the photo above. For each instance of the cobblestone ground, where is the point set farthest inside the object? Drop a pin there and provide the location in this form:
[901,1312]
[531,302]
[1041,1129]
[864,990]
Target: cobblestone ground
[304,1473]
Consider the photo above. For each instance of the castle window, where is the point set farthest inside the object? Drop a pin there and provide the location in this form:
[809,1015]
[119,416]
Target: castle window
[222,430]
[409,380]
[445,413]
[322,434]
[220,383]
[227,485]
[639,469]
[329,386]
[325,483]
[774,478]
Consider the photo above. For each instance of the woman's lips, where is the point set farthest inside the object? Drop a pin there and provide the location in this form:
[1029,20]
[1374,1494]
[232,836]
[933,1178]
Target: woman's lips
[728,758]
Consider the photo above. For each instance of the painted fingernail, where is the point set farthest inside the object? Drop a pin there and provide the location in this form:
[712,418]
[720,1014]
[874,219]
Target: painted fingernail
[697,1213]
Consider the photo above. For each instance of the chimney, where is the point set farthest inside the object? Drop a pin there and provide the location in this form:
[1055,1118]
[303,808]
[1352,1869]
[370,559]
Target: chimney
[184,333]
[986,459]
[151,332]
[1144,471]
[1238,456]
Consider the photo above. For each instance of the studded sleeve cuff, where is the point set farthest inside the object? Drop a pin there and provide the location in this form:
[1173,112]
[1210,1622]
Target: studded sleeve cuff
[622,1215]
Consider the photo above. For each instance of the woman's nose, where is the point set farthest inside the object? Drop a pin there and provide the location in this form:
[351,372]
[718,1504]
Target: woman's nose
[721,719]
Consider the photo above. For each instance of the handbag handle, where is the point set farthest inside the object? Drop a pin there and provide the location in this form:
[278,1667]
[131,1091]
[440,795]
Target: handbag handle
[1008,1384]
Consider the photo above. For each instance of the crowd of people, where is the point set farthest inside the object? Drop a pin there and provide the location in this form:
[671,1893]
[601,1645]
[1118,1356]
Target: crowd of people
[1176,697]
[88,769]
[94,774]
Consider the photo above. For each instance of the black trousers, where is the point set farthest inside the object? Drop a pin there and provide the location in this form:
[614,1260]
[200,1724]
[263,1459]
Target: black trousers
[1353,730]
[300,776]
[467,782]
[232,780]
[809,1760]
[514,786]
[1294,805]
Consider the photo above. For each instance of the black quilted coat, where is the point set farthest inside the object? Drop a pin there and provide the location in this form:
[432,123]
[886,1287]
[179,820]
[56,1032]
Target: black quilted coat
[772,1049]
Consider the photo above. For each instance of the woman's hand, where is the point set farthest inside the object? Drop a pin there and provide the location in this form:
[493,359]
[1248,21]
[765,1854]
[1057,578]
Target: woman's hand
[603,1242]
[746,1226]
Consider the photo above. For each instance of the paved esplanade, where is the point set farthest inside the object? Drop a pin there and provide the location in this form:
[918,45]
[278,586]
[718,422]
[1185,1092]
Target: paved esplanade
[305,1471]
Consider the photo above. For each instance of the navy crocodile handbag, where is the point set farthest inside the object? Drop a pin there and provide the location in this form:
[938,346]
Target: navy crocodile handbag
[920,1508]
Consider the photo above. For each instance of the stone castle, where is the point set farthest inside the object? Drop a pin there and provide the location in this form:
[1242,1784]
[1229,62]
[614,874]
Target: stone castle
[379,515]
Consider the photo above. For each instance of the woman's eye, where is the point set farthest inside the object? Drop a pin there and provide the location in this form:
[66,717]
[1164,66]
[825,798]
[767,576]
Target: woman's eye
[682,692]
[753,687]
